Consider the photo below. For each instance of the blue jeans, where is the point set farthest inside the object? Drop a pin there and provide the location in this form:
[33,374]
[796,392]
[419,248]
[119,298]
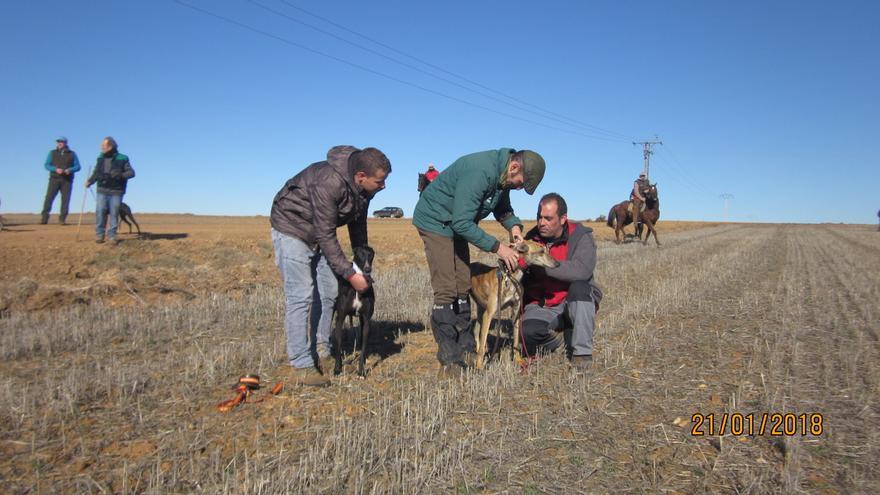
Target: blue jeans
[107,204]
[310,289]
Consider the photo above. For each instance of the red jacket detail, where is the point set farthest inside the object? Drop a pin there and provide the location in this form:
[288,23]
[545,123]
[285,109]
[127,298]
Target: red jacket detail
[543,288]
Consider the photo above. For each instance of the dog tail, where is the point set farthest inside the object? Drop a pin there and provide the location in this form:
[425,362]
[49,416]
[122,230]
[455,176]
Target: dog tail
[611,217]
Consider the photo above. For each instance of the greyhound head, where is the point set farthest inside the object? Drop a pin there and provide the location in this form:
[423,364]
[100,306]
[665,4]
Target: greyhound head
[535,254]
[363,258]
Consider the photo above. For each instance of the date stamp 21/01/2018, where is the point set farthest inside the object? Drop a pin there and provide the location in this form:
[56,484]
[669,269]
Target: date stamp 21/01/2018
[765,423]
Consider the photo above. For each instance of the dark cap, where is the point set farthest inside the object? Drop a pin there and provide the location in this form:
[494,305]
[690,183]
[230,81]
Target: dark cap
[61,139]
[533,170]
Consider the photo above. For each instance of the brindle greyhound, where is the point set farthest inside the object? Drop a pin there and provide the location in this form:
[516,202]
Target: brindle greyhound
[496,288]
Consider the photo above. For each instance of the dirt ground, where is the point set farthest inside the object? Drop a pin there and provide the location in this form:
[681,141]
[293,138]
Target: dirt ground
[114,358]
[177,257]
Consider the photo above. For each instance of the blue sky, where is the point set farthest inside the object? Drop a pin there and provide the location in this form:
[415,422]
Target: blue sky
[775,103]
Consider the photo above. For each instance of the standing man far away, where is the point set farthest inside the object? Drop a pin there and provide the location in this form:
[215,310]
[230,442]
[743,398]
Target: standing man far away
[446,217]
[564,298]
[305,214]
[61,163]
[111,172]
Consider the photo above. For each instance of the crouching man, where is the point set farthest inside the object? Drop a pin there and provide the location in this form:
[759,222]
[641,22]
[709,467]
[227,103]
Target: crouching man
[563,299]
[304,218]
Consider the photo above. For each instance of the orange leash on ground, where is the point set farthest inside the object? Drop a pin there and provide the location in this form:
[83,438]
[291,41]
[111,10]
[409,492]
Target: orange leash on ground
[246,384]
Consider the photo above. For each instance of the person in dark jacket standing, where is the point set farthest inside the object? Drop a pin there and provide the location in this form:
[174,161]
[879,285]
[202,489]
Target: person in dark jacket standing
[61,163]
[111,172]
[446,217]
[564,298]
[305,215]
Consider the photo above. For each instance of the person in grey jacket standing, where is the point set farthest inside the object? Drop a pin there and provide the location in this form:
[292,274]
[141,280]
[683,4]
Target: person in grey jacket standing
[305,215]
[61,163]
[111,172]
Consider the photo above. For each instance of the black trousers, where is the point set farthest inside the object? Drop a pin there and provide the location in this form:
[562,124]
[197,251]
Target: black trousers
[57,183]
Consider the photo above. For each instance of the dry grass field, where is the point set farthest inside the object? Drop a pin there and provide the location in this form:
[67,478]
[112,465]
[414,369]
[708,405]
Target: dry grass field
[112,361]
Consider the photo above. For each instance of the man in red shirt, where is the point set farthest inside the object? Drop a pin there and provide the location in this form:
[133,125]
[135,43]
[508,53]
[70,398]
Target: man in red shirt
[432,173]
[565,298]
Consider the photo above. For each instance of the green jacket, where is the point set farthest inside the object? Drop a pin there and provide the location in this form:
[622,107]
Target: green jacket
[465,193]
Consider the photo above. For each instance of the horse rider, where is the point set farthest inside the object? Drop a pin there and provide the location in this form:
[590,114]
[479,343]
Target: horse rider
[637,197]
[432,173]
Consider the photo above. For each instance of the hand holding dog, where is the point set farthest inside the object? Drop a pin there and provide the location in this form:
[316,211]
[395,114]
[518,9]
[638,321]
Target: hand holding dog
[359,282]
[508,255]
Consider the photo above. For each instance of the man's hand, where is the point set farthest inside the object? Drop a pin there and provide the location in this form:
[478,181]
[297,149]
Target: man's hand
[516,233]
[88,184]
[59,171]
[508,255]
[359,282]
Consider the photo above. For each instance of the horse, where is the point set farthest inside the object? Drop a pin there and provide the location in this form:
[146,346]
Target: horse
[619,216]
[423,183]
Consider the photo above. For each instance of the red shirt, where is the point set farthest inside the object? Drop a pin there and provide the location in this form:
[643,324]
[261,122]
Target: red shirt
[538,286]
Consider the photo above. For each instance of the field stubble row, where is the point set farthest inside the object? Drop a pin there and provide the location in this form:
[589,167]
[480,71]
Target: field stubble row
[722,319]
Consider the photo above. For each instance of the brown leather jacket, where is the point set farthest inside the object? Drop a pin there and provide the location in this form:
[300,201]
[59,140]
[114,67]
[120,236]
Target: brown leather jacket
[319,199]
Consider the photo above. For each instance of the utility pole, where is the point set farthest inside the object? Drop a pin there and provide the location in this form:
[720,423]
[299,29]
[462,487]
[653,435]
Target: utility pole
[726,197]
[648,152]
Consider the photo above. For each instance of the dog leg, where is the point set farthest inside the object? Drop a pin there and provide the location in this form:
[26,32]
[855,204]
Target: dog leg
[517,330]
[478,328]
[136,225]
[488,313]
[365,334]
[337,339]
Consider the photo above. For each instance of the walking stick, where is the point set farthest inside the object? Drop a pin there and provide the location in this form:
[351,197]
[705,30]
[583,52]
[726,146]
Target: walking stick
[82,208]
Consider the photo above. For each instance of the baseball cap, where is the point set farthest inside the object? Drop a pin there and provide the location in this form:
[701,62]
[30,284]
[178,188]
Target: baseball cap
[533,170]
[61,139]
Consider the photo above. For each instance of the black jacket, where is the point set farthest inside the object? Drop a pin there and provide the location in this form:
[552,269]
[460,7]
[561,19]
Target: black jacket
[319,199]
[112,171]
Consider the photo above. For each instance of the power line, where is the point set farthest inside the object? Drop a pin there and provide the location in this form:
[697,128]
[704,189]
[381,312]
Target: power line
[582,124]
[684,170]
[387,76]
[647,153]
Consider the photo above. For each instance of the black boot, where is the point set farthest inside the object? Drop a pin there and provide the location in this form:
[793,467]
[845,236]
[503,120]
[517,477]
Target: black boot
[443,319]
[466,341]
[463,315]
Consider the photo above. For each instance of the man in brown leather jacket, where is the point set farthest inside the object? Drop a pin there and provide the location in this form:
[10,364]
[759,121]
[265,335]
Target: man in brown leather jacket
[305,214]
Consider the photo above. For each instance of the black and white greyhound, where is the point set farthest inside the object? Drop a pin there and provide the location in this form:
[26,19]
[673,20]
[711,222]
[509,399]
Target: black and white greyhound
[350,303]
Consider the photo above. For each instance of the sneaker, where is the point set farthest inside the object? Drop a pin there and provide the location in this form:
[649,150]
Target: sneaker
[581,363]
[326,364]
[99,240]
[310,377]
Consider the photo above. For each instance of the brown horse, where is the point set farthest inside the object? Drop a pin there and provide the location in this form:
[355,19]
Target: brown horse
[619,216]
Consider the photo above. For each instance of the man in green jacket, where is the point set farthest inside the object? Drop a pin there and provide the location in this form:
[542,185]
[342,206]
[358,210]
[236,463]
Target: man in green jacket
[446,217]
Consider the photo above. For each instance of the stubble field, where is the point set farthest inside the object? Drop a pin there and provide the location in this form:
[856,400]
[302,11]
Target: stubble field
[112,360]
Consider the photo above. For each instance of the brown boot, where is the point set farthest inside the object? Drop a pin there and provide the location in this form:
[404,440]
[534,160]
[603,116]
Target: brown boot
[581,363]
[309,377]
[469,359]
[326,364]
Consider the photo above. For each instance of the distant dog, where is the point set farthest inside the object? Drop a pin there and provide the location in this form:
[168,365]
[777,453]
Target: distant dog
[495,288]
[125,215]
[350,303]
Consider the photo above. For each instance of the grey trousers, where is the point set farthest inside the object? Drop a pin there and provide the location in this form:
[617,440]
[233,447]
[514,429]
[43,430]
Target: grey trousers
[574,318]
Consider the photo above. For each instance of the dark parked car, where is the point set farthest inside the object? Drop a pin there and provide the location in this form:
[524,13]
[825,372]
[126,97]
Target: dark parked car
[388,212]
